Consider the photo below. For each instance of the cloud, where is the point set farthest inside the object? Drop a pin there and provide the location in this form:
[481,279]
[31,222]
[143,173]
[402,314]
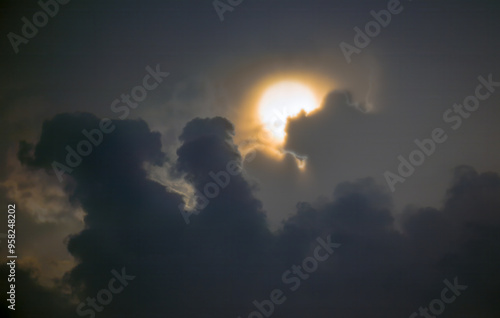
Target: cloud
[388,265]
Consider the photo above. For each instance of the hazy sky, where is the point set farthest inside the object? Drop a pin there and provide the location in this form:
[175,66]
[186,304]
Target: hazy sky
[246,158]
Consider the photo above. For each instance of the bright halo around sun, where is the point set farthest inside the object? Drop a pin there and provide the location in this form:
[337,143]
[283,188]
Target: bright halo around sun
[281,101]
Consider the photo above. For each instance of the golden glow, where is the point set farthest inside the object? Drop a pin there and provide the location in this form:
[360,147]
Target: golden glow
[281,101]
[273,99]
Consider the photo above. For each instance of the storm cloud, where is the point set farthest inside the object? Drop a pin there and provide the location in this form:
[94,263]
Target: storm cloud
[387,265]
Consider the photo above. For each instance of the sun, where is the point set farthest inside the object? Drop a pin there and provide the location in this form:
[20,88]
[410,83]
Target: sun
[268,105]
[281,101]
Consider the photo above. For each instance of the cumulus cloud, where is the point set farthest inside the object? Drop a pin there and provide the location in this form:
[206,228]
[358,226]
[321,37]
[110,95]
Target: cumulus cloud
[388,265]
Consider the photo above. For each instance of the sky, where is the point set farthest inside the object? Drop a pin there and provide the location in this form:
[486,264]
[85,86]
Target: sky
[249,158]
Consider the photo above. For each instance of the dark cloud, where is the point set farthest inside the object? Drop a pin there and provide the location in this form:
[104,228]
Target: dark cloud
[227,258]
[133,222]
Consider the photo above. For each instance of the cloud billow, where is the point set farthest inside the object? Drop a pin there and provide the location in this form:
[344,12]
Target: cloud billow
[388,265]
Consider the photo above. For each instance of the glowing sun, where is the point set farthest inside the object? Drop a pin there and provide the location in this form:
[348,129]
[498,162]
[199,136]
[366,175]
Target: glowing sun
[281,101]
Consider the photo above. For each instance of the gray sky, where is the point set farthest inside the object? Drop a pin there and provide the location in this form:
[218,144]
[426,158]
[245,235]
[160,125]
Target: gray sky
[373,105]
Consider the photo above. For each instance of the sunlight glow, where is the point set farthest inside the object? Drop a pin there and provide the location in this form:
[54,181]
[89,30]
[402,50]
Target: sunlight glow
[271,102]
[281,101]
